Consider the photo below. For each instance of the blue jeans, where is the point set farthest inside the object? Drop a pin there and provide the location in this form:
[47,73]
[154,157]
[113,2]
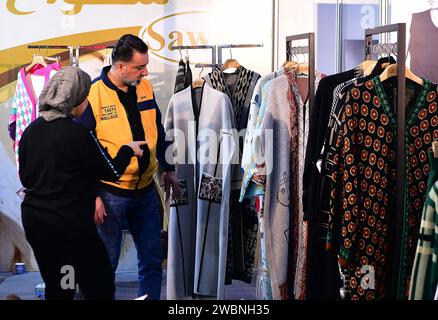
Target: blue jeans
[142,217]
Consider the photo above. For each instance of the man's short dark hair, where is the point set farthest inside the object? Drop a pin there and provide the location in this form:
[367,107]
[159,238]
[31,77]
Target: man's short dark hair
[125,46]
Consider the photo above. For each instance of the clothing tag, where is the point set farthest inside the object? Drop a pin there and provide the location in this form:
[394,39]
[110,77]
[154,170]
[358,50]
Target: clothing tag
[319,165]
[183,198]
[210,188]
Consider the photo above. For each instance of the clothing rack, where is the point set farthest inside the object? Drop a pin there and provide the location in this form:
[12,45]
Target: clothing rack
[231,46]
[199,47]
[310,51]
[216,52]
[73,50]
[400,47]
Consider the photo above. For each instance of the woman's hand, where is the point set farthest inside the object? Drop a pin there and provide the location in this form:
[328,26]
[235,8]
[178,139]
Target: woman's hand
[136,147]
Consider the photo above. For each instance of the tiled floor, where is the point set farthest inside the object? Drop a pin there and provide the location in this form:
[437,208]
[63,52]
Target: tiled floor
[23,285]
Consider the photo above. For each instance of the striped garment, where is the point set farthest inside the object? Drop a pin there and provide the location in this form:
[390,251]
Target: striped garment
[424,278]
[180,77]
[248,166]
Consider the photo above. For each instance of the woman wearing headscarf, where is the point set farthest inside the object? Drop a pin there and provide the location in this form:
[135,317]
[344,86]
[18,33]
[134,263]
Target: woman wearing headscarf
[60,163]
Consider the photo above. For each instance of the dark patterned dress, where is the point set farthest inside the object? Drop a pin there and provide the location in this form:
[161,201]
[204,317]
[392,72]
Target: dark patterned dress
[362,208]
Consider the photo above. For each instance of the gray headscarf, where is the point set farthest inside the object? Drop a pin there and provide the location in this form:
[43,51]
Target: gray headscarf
[67,89]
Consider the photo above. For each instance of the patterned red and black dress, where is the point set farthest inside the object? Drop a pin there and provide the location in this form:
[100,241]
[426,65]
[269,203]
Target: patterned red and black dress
[362,208]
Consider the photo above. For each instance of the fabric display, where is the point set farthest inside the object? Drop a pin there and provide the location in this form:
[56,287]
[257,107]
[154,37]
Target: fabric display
[350,189]
[183,75]
[24,110]
[198,227]
[239,87]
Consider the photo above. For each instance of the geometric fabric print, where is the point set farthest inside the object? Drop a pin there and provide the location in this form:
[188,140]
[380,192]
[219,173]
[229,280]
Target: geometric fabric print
[24,103]
[210,188]
[23,107]
[183,196]
[363,190]
[238,95]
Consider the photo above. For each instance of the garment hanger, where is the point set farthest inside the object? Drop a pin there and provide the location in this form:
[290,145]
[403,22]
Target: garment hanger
[303,67]
[289,65]
[198,83]
[187,56]
[294,64]
[373,68]
[391,71]
[180,56]
[366,65]
[230,65]
[369,69]
[36,60]
[381,64]
[56,59]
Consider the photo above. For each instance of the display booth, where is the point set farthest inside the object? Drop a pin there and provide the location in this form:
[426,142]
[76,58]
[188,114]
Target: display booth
[322,183]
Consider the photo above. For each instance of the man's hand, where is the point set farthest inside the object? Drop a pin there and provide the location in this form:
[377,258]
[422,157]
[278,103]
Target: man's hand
[171,181]
[136,147]
[99,212]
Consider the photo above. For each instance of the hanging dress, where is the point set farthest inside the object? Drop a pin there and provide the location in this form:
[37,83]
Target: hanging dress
[25,102]
[198,221]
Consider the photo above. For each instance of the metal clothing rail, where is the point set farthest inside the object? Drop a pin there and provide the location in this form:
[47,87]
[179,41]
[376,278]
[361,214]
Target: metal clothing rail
[231,46]
[200,47]
[400,29]
[73,50]
[97,47]
[310,50]
[216,52]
